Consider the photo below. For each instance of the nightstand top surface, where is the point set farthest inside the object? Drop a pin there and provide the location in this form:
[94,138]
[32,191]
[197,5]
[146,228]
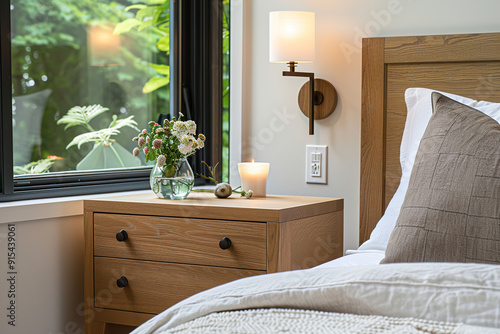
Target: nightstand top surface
[273,208]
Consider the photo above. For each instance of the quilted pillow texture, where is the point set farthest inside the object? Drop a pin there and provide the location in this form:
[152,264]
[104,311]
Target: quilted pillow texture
[451,212]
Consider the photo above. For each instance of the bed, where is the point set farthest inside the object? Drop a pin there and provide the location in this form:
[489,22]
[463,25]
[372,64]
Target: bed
[453,287]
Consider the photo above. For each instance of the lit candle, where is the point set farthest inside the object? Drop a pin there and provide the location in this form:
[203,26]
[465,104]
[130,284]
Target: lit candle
[254,177]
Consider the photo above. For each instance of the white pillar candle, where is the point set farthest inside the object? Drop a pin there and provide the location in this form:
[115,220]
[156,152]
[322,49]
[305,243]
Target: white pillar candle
[254,177]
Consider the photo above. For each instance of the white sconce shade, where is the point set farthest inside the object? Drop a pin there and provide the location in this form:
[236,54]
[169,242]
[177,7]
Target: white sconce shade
[291,37]
[292,40]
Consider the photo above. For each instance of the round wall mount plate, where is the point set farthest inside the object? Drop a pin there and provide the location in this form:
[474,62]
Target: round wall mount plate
[329,103]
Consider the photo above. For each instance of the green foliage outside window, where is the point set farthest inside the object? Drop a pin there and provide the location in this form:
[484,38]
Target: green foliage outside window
[50,57]
[225,91]
[154,16]
[49,51]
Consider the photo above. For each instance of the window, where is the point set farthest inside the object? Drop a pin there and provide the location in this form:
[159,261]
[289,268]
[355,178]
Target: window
[79,79]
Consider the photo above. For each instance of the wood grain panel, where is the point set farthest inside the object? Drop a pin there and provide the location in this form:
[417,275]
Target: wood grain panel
[193,241]
[120,329]
[96,327]
[326,107]
[155,286]
[443,48]
[121,317]
[274,257]
[372,135]
[313,241]
[88,284]
[305,243]
[480,80]
[205,205]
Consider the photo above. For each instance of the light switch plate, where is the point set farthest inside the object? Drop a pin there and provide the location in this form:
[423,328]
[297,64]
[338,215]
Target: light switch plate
[317,164]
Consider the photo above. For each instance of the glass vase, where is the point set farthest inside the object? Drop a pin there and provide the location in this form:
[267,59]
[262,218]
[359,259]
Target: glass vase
[172,182]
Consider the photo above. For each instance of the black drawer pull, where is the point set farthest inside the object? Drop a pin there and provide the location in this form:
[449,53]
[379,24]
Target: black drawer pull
[225,243]
[122,282]
[122,235]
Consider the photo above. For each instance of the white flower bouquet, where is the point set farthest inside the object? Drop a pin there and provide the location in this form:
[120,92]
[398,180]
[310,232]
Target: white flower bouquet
[169,143]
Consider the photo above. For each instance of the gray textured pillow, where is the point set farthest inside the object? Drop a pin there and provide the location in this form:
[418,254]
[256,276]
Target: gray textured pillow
[451,212]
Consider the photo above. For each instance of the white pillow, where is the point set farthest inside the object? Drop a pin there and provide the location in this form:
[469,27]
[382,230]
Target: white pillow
[419,105]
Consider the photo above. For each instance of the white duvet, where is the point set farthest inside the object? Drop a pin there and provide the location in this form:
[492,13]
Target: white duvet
[447,292]
[290,321]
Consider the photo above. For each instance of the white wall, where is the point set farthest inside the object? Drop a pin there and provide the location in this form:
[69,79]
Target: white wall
[267,96]
[49,247]
[49,276]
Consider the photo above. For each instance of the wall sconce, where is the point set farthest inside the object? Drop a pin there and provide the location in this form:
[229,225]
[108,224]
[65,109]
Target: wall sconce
[292,41]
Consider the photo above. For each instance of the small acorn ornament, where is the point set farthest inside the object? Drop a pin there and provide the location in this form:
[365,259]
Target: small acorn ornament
[223,190]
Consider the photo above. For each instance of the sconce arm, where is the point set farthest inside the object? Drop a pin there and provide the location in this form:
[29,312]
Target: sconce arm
[311,94]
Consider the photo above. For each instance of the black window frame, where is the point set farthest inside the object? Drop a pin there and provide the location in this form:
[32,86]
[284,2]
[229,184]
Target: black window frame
[196,90]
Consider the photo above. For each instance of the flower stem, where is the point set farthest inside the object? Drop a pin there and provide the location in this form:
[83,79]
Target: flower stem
[212,171]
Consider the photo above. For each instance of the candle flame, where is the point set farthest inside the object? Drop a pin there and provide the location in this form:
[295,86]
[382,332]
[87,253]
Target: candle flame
[253,160]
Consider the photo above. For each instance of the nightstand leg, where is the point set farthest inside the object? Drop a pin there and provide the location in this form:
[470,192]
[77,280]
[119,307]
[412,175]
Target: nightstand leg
[96,328]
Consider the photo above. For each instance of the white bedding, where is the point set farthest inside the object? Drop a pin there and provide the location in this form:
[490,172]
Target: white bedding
[271,321]
[355,258]
[448,292]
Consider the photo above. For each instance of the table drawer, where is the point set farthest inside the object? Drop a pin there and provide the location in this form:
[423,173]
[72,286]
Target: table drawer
[181,240]
[154,286]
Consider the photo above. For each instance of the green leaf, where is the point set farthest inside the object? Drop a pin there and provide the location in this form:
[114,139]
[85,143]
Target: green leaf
[20,170]
[34,167]
[42,166]
[225,93]
[126,25]
[103,135]
[146,12]
[161,69]
[135,7]
[123,76]
[151,156]
[164,26]
[157,17]
[120,123]
[155,83]
[99,136]
[81,115]
[164,43]
[225,44]
[65,37]
[146,24]
[155,2]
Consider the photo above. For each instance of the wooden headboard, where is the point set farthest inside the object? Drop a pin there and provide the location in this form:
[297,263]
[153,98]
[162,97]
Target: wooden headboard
[467,65]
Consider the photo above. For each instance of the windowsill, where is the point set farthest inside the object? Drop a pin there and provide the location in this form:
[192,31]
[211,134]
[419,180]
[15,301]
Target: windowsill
[47,208]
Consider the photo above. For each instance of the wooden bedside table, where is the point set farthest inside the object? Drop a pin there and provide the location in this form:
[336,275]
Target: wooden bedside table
[144,254]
